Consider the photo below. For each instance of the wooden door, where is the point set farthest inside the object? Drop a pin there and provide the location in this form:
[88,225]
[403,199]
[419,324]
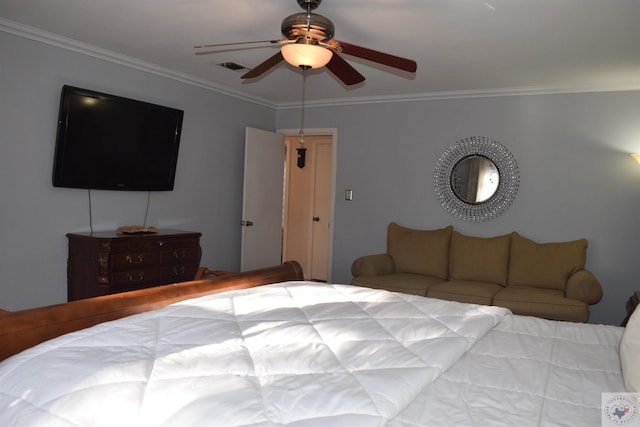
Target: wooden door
[321,211]
[308,205]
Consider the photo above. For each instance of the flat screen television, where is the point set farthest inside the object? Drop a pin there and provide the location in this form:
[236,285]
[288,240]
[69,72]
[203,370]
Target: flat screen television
[107,142]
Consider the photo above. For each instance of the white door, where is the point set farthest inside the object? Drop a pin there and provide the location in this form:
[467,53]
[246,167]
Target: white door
[262,199]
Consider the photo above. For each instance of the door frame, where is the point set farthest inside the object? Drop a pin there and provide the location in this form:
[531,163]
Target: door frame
[333,132]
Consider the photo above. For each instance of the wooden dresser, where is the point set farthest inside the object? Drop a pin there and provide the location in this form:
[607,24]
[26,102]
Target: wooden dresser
[103,263]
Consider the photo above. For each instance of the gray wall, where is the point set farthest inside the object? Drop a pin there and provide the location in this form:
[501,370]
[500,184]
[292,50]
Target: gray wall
[35,216]
[577,178]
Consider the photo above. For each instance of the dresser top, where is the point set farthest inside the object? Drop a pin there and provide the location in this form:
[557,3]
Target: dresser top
[113,234]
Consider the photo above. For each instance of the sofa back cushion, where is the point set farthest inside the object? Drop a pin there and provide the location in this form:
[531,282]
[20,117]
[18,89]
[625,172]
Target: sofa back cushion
[419,251]
[481,259]
[545,265]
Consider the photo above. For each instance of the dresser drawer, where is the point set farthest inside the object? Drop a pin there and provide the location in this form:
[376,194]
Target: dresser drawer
[178,273]
[179,256]
[176,243]
[134,260]
[134,279]
[149,242]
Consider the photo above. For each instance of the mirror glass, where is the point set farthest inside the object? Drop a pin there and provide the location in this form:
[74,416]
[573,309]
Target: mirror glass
[475,179]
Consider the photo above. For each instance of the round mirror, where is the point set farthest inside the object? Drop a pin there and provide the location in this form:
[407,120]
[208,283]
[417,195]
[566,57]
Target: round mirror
[475,179]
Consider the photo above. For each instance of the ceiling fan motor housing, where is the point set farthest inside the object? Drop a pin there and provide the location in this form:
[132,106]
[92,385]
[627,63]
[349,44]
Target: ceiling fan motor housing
[312,23]
[309,4]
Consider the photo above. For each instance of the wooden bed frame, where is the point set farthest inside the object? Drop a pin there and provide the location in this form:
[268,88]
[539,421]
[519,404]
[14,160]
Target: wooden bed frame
[23,329]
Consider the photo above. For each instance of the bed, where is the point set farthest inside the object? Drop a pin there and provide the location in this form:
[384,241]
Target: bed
[267,348]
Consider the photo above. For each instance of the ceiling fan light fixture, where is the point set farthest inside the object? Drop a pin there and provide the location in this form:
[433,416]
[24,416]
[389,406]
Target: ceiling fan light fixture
[306,55]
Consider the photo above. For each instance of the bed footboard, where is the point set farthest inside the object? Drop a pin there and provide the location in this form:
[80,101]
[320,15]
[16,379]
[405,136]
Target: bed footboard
[23,329]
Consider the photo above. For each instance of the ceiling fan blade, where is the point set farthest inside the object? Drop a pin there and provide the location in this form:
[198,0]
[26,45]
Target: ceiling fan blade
[375,56]
[264,66]
[201,46]
[345,72]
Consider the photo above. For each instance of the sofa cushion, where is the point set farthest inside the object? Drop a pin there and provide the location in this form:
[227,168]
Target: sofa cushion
[468,291]
[545,303]
[416,284]
[545,265]
[480,259]
[419,251]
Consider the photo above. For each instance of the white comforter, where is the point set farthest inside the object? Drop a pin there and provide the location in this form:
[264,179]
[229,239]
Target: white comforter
[289,354]
[525,372]
[308,354]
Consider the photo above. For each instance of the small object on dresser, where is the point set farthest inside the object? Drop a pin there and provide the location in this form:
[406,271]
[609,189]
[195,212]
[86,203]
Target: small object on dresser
[136,229]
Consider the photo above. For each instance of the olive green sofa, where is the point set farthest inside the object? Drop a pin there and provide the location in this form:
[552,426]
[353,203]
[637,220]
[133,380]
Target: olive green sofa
[547,280]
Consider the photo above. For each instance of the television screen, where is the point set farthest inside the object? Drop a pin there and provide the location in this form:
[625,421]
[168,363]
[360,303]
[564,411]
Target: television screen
[107,142]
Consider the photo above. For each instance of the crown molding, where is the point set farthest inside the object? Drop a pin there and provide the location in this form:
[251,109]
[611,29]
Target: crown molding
[56,40]
[465,94]
[107,55]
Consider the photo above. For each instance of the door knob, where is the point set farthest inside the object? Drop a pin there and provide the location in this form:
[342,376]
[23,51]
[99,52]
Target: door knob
[246,223]
[316,218]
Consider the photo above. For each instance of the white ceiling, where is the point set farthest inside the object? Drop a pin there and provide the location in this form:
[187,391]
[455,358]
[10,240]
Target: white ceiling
[462,47]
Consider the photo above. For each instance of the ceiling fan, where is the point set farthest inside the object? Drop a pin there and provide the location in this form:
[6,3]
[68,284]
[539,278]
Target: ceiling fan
[309,43]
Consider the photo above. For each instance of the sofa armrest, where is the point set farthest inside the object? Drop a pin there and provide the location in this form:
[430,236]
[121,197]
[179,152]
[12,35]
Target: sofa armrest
[583,285]
[373,265]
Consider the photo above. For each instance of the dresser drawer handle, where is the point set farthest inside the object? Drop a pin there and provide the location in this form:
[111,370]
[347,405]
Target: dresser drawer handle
[180,254]
[140,277]
[179,271]
[136,260]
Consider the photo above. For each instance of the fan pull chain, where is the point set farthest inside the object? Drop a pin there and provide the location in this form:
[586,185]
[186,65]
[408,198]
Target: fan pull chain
[304,78]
